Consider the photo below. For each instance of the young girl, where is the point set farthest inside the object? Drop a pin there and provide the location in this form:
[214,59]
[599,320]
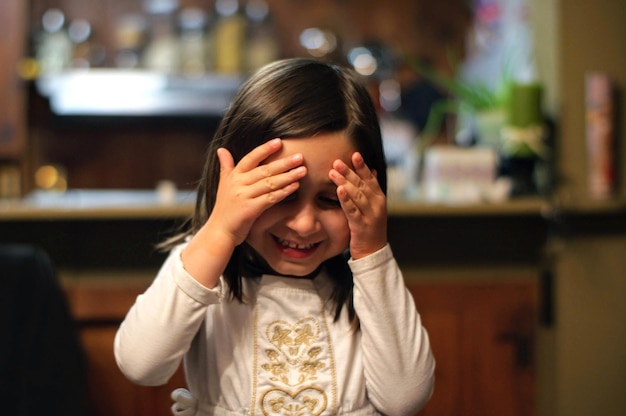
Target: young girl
[284,297]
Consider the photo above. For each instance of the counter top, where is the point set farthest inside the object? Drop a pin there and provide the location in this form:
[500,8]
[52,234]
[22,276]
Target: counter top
[136,204]
[78,227]
[85,204]
[98,204]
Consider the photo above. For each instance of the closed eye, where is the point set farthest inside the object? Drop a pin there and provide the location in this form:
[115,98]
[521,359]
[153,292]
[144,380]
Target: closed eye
[331,202]
[290,198]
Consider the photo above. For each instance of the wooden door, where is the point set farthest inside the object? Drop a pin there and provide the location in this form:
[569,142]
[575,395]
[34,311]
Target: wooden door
[482,339]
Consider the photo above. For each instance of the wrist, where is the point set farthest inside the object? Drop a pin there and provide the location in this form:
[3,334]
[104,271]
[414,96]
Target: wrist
[361,252]
[207,253]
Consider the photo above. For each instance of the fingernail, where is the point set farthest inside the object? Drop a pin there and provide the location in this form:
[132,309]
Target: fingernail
[275,142]
[299,170]
[297,157]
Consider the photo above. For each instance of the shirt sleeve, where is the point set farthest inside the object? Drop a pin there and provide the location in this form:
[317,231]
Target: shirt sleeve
[159,328]
[397,358]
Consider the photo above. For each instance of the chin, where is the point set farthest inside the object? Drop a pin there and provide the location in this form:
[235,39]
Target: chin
[294,271]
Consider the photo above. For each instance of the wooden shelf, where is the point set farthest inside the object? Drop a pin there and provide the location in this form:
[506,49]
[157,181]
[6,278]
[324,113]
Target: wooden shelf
[522,206]
[114,92]
[590,207]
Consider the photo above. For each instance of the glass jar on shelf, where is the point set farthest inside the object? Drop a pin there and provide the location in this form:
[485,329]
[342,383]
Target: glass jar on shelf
[261,42]
[195,45]
[229,37]
[130,35]
[53,47]
[162,49]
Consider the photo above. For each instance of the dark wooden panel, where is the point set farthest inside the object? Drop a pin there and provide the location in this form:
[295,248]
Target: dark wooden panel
[12,93]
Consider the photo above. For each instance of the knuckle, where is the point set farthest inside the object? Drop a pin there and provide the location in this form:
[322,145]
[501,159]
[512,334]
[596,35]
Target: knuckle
[271,198]
[269,183]
[265,171]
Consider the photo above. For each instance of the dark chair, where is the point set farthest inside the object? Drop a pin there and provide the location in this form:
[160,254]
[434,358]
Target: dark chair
[42,366]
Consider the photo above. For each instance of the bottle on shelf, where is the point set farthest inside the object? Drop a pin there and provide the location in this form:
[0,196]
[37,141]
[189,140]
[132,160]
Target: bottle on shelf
[130,34]
[195,45]
[600,135]
[228,38]
[86,52]
[261,42]
[162,50]
[53,47]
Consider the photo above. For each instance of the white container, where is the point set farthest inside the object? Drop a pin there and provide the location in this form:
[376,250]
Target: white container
[600,135]
[455,174]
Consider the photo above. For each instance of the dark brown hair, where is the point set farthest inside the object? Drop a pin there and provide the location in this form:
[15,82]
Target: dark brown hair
[292,98]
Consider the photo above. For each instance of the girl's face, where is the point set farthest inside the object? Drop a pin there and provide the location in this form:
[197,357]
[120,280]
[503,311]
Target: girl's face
[296,235]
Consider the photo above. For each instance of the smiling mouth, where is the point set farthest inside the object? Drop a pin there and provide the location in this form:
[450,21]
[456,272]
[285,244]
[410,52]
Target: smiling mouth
[292,245]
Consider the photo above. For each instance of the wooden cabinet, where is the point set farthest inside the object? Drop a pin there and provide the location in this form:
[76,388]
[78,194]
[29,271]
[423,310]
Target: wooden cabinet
[99,309]
[481,335]
[482,339]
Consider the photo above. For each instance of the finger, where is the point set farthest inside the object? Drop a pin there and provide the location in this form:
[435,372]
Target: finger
[347,194]
[259,154]
[344,170]
[358,196]
[349,207]
[362,170]
[362,176]
[276,196]
[274,183]
[227,163]
[358,189]
[266,172]
[353,199]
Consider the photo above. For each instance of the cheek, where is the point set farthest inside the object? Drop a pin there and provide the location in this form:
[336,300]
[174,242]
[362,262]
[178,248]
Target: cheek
[262,224]
[337,225]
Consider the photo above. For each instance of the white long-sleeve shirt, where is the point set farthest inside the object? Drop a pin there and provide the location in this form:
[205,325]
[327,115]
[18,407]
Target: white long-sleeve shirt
[281,352]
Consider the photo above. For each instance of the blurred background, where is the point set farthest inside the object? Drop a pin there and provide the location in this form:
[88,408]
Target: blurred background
[503,127]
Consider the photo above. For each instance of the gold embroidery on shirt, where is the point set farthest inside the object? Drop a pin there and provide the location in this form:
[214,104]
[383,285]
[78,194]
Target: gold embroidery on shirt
[294,361]
[331,356]
[307,401]
[298,351]
[291,340]
[255,348]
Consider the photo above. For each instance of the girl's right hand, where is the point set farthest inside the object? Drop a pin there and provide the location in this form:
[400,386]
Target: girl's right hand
[251,187]
[243,193]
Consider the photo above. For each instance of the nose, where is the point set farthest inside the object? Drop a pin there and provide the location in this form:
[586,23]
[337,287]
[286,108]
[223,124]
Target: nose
[304,220]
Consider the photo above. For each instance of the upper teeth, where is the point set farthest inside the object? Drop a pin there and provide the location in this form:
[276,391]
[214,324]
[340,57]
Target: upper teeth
[290,244]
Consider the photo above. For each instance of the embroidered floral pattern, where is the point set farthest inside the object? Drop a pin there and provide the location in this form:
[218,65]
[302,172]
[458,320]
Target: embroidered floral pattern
[308,401]
[298,353]
[291,340]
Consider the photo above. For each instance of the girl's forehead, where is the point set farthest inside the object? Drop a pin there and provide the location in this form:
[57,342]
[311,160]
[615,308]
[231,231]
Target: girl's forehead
[317,148]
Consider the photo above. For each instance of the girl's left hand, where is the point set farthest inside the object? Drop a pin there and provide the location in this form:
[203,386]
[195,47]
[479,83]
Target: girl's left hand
[364,205]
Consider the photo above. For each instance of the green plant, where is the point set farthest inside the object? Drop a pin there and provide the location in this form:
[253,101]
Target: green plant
[465,95]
